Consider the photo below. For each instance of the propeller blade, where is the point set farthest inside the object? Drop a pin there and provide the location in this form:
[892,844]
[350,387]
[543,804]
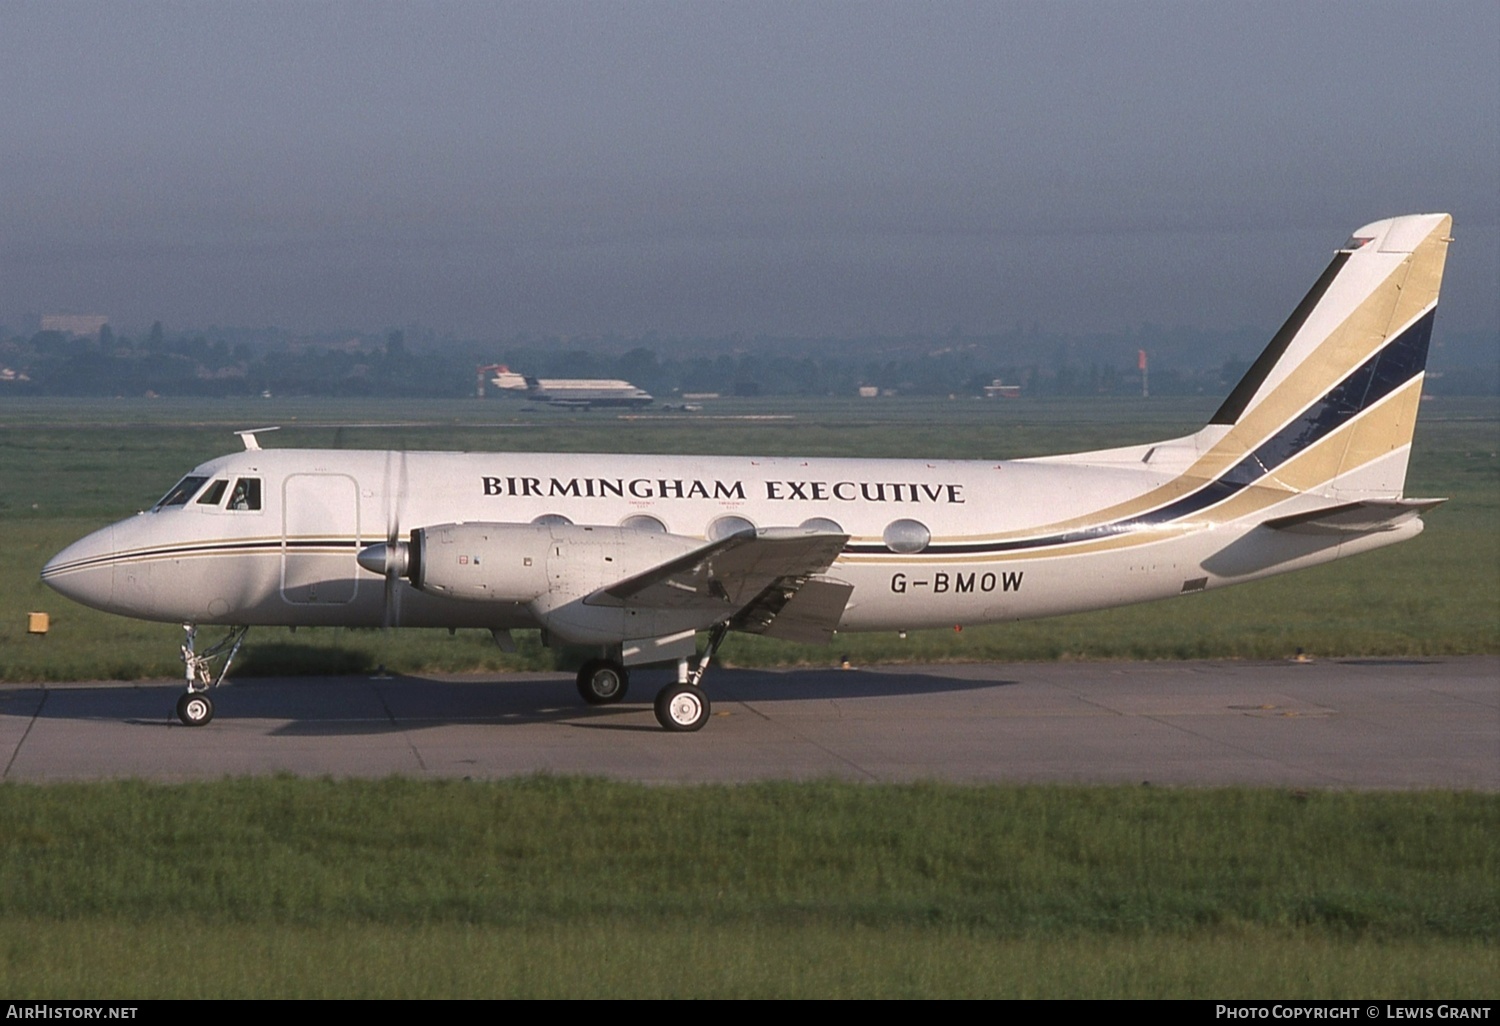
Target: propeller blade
[393,559]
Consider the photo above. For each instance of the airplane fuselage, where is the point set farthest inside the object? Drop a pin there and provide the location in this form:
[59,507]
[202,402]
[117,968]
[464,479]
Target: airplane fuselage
[999,545]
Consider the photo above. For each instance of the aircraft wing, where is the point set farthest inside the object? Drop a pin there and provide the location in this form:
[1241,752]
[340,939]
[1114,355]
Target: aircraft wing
[756,580]
[1354,517]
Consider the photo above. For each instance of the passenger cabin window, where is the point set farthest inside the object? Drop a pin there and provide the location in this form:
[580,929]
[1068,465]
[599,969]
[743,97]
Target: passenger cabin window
[246,494]
[213,494]
[821,524]
[727,525]
[180,493]
[643,522]
[906,536]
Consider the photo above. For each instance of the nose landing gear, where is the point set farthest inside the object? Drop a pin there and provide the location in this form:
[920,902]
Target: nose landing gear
[195,708]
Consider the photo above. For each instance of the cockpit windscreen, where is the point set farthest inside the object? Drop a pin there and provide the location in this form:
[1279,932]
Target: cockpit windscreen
[180,493]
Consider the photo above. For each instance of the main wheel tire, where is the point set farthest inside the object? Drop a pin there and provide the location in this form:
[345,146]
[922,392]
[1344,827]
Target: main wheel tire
[602,682]
[682,707]
[195,709]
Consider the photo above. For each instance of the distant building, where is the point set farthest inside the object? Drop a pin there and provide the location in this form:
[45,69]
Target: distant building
[77,325]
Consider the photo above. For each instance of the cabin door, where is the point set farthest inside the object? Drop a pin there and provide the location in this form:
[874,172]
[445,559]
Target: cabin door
[319,539]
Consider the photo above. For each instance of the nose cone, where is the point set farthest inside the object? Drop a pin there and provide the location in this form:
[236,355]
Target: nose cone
[85,570]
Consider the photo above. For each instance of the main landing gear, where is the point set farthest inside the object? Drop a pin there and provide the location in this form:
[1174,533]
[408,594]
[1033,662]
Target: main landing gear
[680,707]
[603,681]
[684,706]
[195,708]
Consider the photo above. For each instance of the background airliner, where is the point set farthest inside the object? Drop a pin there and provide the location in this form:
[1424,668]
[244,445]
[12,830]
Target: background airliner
[582,393]
[1304,462]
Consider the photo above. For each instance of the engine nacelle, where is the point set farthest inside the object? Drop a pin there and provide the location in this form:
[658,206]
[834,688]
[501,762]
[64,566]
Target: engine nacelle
[542,565]
[481,562]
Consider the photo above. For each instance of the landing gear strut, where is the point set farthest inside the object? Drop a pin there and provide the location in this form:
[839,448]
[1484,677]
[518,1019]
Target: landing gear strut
[195,708]
[684,706]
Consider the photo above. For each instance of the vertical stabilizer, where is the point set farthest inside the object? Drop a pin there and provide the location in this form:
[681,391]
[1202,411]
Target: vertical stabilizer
[1331,403]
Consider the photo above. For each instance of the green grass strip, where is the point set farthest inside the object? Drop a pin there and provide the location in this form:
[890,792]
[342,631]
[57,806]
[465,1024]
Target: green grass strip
[998,860]
[692,960]
[567,886]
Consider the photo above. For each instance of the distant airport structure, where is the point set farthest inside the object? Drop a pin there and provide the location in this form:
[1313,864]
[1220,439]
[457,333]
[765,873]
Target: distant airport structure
[76,325]
[576,392]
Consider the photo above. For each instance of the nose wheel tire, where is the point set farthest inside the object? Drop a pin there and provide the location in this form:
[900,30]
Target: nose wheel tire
[195,709]
[682,707]
[602,682]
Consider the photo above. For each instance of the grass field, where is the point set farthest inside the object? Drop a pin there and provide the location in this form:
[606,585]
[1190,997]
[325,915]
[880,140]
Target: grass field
[67,467]
[564,887]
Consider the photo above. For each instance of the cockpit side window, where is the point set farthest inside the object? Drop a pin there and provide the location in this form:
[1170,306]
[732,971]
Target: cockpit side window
[213,493]
[246,494]
[181,492]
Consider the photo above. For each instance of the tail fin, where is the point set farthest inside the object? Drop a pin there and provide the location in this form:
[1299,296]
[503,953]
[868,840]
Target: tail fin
[1331,404]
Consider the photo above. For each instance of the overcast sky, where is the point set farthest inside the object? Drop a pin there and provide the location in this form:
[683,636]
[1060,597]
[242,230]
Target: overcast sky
[706,168]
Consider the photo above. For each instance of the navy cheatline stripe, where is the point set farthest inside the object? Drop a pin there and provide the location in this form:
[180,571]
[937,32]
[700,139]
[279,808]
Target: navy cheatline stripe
[1394,365]
[1400,360]
[1397,363]
[195,550]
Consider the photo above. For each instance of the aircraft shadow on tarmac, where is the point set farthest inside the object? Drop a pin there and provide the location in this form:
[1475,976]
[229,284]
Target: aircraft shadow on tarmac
[341,706]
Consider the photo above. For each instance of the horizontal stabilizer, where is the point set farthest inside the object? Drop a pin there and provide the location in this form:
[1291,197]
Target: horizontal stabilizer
[1354,517]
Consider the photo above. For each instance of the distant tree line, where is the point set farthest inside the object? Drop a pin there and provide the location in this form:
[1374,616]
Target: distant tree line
[420,364]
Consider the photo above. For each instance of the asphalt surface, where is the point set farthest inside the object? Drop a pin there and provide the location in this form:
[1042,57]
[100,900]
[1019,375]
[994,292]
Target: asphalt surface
[1348,723]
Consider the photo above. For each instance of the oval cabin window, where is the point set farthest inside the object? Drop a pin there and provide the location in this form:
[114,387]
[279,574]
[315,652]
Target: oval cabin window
[643,522]
[906,536]
[723,527]
[821,524]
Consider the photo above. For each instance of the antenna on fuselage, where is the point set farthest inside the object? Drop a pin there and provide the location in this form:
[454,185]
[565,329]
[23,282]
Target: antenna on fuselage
[248,437]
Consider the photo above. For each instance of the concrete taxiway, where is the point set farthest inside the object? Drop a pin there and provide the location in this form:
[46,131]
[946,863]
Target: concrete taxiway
[1345,723]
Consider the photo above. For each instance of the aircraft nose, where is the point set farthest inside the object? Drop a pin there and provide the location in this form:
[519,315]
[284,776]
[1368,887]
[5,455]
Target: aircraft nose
[84,571]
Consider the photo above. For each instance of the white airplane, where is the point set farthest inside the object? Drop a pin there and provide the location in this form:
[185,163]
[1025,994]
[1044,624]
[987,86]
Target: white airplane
[634,555]
[582,393]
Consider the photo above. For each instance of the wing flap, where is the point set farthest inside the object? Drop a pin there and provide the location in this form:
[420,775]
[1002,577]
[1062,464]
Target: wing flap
[730,574]
[808,611]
